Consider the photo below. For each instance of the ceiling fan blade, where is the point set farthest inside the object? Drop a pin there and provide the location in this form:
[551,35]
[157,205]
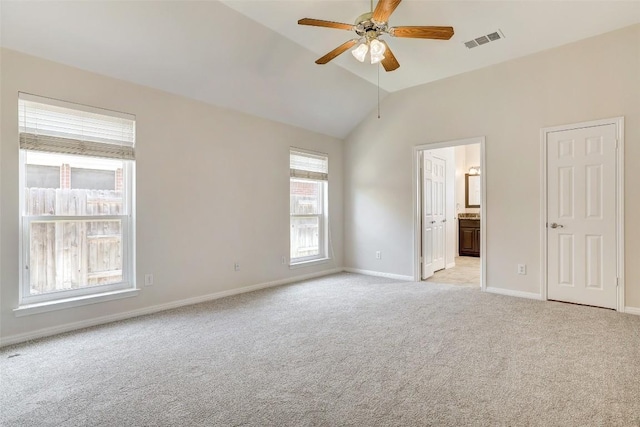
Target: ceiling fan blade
[389,62]
[384,9]
[438,33]
[337,51]
[327,24]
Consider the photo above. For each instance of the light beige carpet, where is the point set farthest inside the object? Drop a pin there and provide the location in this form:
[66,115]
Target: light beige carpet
[345,350]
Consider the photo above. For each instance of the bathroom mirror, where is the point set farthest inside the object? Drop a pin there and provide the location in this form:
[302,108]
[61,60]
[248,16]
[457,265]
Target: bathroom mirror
[472,191]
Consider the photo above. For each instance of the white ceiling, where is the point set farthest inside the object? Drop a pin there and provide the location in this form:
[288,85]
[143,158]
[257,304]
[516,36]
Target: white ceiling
[252,56]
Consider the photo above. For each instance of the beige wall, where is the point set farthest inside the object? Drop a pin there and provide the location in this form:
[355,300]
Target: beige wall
[508,104]
[212,189]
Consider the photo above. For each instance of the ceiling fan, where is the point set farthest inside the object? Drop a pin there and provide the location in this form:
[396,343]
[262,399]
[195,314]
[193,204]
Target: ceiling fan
[369,27]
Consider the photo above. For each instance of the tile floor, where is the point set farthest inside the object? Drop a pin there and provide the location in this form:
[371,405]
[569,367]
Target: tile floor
[466,272]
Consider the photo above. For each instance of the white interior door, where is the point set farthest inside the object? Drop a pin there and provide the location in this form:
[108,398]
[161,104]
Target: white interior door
[428,220]
[433,214]
[439,213]
[581,216]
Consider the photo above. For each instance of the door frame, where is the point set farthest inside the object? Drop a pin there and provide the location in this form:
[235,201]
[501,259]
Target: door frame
[544,132]
[417,204]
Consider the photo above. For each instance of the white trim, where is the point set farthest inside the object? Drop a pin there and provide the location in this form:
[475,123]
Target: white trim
[23,249]
[450,265]
[512,293]
[620,208]
[581,125]
[60,304]
[619,123]
[130,197]
[308,263]
[543,214]
[380,274]
[632,310]
[483,217]
[45,332]
[417,197]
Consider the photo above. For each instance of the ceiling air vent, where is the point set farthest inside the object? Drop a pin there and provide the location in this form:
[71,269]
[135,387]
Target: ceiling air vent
[471,44]
[497,35]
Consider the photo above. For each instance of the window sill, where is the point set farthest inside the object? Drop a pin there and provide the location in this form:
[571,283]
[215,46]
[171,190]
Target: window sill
[309,263]
[43,307]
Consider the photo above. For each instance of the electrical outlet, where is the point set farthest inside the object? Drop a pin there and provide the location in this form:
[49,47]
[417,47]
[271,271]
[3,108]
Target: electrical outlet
[148,279]
[236,266]
[522,268]
[378,255]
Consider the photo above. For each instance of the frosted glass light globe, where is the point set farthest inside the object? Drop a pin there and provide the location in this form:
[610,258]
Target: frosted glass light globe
[360,52]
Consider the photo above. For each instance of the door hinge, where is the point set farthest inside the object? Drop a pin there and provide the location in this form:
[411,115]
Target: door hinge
[617,282]
[617,142]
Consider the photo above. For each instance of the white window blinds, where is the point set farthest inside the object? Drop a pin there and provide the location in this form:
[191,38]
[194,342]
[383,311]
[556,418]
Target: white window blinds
[56,126]
[309,166]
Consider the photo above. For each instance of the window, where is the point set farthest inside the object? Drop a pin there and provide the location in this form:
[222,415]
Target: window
[308,206]
[76,175]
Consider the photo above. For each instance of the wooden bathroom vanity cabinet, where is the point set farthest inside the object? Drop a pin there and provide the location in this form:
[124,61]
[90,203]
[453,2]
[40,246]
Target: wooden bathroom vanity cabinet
[469,237]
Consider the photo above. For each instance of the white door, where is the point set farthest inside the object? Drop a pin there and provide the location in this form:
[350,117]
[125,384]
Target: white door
[433,214]
[428,220]
[439,203]
[581,216]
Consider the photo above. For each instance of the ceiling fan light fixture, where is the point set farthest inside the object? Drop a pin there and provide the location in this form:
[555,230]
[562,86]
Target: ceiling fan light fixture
[377,51]
[360,52]
[376,57]
[377,48]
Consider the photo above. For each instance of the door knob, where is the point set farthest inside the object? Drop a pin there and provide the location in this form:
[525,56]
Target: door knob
[433,222]
[444,220]
[556,225]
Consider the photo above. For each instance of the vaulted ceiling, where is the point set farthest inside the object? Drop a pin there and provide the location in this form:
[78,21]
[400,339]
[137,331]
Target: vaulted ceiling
[252,56]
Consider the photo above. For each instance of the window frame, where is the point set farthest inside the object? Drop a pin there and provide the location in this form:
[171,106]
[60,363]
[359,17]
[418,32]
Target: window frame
[323,216]
[28,303]
[127,230]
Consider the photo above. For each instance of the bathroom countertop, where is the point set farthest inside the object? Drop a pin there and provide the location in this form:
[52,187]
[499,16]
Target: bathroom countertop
[468,216]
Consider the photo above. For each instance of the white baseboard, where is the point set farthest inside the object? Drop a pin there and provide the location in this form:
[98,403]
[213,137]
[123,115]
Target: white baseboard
[450,265]
[54,330]
[380,274]
[512,293]
[632,310]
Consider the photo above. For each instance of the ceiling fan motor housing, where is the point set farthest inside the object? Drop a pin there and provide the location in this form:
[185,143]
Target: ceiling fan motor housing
[366,27]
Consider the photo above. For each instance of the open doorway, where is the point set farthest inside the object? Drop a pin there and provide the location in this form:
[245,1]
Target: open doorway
[450,212]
